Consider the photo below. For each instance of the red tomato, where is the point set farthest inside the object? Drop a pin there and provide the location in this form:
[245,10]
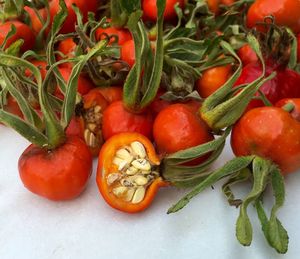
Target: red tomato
[128,52]
[269,132]
[23,31]
[285,12]
[177,128]
[12,106]
[247,54]
[122,34]
[295,102]
[298,47]
[84,6]
[110,93]
[42,65]
[59,174]
[286,83]
[36,24]
[67,47]
[116,119]
[83,87]
[212,79]
[150,10]
[214,5]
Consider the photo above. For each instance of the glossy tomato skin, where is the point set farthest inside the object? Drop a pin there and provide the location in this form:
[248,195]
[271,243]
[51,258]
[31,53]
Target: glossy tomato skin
[295,102]
[269,132]
[23,31]
[286,83]
[247,54]
[36,24]
[128,52]
[285,12]
[178,127]
[150,11]
[116,119]
[60,174]
[212,79]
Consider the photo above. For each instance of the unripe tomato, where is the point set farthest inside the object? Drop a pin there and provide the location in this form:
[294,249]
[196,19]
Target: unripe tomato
[285,12]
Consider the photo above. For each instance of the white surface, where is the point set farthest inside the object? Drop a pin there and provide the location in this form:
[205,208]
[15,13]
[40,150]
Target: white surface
[34,228]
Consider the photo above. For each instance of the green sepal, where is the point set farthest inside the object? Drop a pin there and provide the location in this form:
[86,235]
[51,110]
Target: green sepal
[239,177]
[221,109]
[23,128]
[261,172]
[229,168]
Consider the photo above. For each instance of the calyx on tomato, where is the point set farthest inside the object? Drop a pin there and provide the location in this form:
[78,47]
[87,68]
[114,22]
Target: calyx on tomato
[128,172]
[222,109]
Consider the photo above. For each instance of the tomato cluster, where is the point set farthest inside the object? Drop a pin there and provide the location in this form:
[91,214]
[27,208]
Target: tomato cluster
[171,136]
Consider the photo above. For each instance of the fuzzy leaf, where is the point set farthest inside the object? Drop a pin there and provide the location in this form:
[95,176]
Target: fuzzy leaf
[229,168]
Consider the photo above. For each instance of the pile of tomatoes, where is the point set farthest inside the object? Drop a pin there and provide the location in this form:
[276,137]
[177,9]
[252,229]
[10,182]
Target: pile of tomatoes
[132,146]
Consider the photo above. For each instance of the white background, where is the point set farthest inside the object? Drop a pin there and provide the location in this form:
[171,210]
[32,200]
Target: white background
[35,228]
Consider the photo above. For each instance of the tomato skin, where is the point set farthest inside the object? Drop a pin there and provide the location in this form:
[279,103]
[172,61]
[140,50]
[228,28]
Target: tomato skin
[106,166]
[286,83]
[123,34]
[247,54]
[110,93]
[128,52]
[69,24]
[12,106]
[298,47]
[84,84]
[212,79]
[269,132]
[42,65]
[67,47]
[295,113]
[177,127]
[285,12]
[117,119]
[150,12]
[213,5]
[23,31]
[60,174]
[35,21]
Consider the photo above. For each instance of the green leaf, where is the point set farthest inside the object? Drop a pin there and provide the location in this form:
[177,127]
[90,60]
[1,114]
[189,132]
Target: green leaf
[229,168]
[71,93]
[239,177]
[261,172]
[28,112]
[278,236]
[23,128]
